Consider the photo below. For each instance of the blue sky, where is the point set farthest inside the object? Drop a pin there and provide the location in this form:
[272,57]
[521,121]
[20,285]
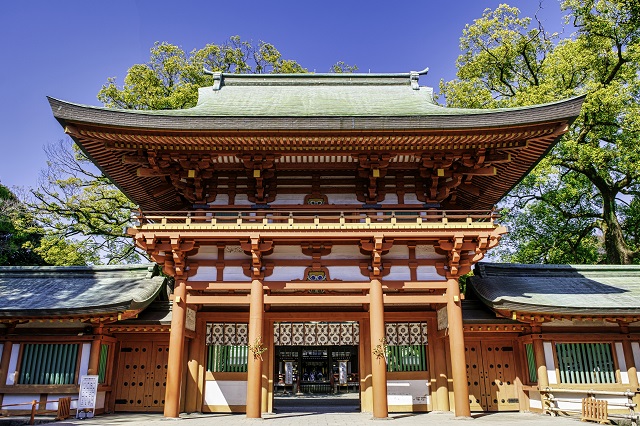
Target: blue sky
[68,48]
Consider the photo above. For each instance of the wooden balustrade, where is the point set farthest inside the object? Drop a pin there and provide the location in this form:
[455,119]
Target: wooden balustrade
[325,219]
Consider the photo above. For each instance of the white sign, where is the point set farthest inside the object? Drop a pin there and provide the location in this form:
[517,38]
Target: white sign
[190,323]
[443,318]
[288,373]
[342,372]
[87,396]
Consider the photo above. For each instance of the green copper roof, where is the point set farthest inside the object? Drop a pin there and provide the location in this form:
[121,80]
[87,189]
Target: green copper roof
[74,290]
[316,95]
[559,289]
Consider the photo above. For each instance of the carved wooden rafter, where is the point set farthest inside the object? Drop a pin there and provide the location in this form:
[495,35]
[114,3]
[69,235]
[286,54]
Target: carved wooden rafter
[463,252]
[261,173]
[170,254]
[372,168]
[442,173]
[192,175]
[316,250]
[257,248]
[377,247]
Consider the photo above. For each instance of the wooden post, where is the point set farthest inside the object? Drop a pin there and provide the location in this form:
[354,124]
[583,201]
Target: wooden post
[193,365]
[631,363]
[440,373]
[541,365]
[94,356]
[176,350]
[4,364]
[254,367]
[378,363]
[456,346]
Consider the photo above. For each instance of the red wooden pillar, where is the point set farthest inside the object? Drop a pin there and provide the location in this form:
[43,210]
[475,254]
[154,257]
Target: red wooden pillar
[176,350]
[456,347]
[254,367]
[378,364]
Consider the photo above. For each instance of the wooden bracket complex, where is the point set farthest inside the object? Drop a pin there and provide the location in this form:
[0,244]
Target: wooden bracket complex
[464,251]
[256,248]
[377,246]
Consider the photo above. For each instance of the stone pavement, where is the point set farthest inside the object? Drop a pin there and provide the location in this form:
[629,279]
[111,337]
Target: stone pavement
[320,418]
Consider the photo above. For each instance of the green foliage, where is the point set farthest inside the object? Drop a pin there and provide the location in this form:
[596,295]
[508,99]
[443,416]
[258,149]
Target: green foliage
[83,214]
[576,204]
[171,78]
[18,233]
[343,67]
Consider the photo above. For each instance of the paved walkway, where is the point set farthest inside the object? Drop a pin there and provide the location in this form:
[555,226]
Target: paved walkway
[318,418]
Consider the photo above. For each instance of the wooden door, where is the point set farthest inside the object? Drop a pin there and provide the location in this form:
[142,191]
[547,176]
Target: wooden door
[491,376]
[142,373]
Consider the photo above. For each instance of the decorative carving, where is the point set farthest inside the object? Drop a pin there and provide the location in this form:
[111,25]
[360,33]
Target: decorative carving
[377,247]
[443,173]
[463,252]
[261,173]
[192,175]
[256,248]
[372,168]
[171,255]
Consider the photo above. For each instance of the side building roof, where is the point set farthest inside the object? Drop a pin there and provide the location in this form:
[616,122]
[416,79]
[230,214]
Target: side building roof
[77,291]
[602,290]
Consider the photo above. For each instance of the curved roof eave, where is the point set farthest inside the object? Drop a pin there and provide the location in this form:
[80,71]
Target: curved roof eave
[448,119]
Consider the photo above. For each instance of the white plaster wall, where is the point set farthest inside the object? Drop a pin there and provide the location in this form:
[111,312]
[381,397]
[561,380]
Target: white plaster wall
[235,273]
[232,392]
[286,273]
[408,392]
[19,399]
[206,252]
[427,252]
[346,252]
[573,401]
[234,253]
[84,360]
[534,400]
[221,200]
[397,252]
[399,273]
[635,347]
[206,273]
[13,366]
[342,199]
[549,361]
[390,198]
[428,273]
[624,373]
[346,273]
[410,198]
[287,252]
[242,200]
[74,404]
[297,199]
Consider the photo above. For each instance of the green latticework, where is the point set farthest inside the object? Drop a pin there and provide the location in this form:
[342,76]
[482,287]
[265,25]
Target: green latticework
[406,358]
[585,363]
[531,362]
[227,358]
[48,364]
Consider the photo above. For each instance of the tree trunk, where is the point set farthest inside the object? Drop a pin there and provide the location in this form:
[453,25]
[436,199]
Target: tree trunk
[617,252]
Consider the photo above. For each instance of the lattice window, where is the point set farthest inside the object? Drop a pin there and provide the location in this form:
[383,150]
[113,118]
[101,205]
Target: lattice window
[102,363]
[48,364]
[585,363]
[316,333]
[406,333]
[227,333]
[406,349]
[227,359]
[407,358]
[531,363]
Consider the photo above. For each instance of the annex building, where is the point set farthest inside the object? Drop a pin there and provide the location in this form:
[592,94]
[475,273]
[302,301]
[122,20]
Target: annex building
[316,227]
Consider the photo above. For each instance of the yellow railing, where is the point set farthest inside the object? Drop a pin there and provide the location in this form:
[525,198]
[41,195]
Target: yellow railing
[318,220]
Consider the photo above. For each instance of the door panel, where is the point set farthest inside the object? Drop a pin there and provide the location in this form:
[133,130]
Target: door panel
[491,376]
[142,370]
